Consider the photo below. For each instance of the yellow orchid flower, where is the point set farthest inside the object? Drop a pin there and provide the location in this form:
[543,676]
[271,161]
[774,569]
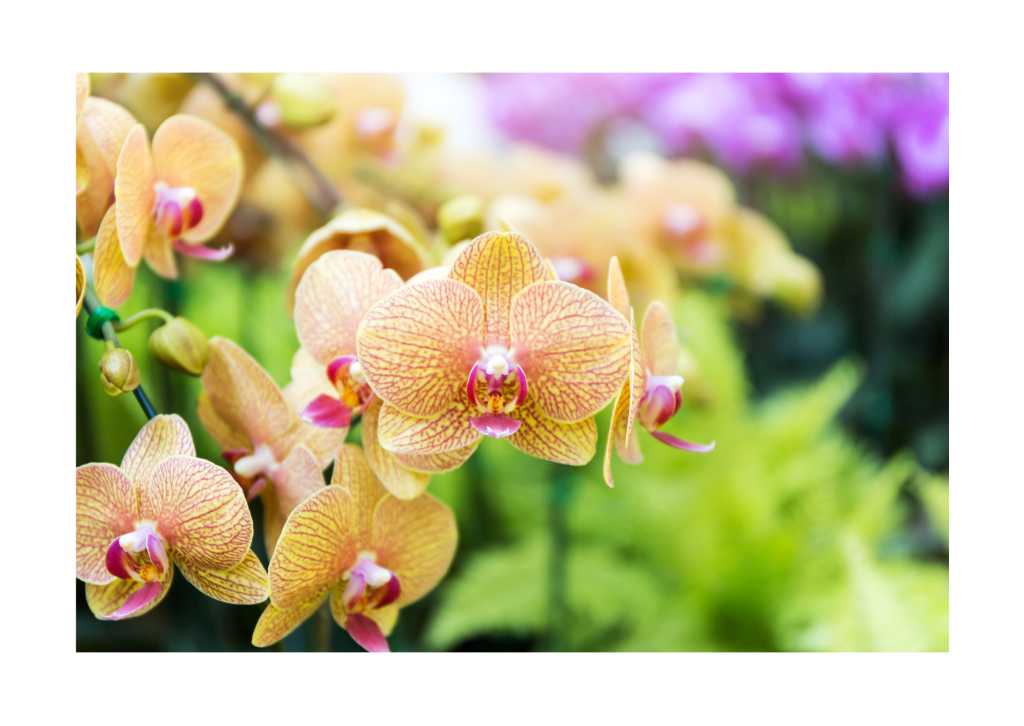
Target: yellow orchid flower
[174,196]
[162,508]
[652,394]
[102,129]
[374,554]
[330,303]
[272,453]
[497,348]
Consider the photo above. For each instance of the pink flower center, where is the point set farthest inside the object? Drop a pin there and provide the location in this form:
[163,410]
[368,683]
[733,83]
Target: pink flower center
[501,398]
[138,555]
[661,399]
[176,210]
[369,586]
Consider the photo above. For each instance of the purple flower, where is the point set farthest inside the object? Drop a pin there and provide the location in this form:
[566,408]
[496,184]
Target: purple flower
[921,137]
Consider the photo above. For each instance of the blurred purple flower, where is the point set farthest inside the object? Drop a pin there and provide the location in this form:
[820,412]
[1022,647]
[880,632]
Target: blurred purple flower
[921,137]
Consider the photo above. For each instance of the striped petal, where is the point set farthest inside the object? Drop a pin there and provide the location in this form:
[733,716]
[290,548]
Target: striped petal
[637,374]
[353,473]
[574,347]
[243,395]
[105,600]
[498,265]
[112,277]
[275,623]
[299,477]
[135,194]
[621,432]
[416,540]
[315,548]
[333,297]
[437,463]
[191,152]
[618,296]
[224,435]
[417,345]
[449,430]
[544,438]
[163,436]
[244,584]
[100,136]
[273,518]
[200,512]
[398,480]
[660,341]
[106,507]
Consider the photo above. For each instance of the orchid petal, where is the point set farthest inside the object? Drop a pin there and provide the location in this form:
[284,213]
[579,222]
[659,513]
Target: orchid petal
[200,512]
[416,540]
[225,436]
[257,488]
[659,407]
[637,375]
[354,590]
[392,591]
[398,480]
[137,600]
[119,563]
[327,412]
[81,171]
[100,136]
[678,443]
[417,344]
[436,463]
[157,554]
[367,633]
[161,437]
[618,296]
[333,297]
[401,433]
[159,255]
[573,345]
[106,506]
[112,277]
[299,477]
[205,253]
[660,341]
[544,438]
[81,93]
[323,442]
[336,364]
[191,152]
[498,265]
[135,194]
[274,518]
[384,617]
[244,584]
[105,600]
[471,384]
[79,285]
[275,623]
[353,473]
[497,426]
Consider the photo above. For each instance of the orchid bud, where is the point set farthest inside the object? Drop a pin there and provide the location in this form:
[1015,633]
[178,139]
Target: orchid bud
[118,372]
[461,217]
[181,346]
[303,99]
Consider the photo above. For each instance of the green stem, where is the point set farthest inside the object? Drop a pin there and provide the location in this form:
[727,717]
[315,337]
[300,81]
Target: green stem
[143,315]
[88,246]
[561,492]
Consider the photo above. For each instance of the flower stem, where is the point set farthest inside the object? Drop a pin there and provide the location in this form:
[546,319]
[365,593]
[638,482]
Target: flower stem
[321,193]
[561,492]
[88,246]
[143,315]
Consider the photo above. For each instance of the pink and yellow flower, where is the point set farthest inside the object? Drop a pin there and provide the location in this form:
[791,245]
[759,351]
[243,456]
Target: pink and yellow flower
[102,129]
[651,395]
[272,453]
[162,508]
[331,301]
[374,554]
[173,196]
[497,348]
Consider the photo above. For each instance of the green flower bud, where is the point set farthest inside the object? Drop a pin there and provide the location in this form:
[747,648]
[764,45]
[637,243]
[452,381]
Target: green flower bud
[461,217]
[180,346]
[118,372]
[303,100]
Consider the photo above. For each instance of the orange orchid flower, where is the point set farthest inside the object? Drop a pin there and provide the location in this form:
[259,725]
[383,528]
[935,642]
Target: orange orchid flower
[102,129]
[174,196]
[272,453]
[652,392]
[330,303]
[374,554]
[162,508]
[497,348]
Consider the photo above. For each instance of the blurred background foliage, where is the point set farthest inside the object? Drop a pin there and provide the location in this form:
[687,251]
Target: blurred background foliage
[820,521]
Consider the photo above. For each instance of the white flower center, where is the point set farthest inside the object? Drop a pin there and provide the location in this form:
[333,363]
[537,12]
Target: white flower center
[261,461]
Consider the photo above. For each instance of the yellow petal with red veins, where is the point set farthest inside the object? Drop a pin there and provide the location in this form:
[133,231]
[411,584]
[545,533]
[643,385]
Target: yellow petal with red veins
[191,152]
[385,617]
[135,194]
[618,296]
[273,518]
[315,548]
[244,584]
[573,346]
[398,480]
[299,477]
[498,265]
[417,345]
[637,374]
[275,623]
[544,438]
[113,278]
[243,395]
[226,437]
[353,473]
[79,285]
[416,540]
[106,599]
[106,506]
[163,436]
[199,511]
[333,298]
[309,380]
[660,341]
[450,430]
[99,137]
[437,463]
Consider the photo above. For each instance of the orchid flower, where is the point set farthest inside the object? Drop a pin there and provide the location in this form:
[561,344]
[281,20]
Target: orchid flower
[374,554]
[497,348]
[330,303]
[102,129]
[652,394]
[272,453]
[174,196]
[162,508]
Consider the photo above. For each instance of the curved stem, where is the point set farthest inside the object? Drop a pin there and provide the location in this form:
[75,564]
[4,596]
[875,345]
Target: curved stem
[88,246]
[143,315]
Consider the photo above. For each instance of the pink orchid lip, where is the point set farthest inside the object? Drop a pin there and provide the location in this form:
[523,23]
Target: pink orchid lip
[678,443]
[122,563]
[471,386]
[205,253]
[367,633]
[521,394]
[326,412]
[368,573]
[335,366]
[137,600]
[658,405]
[176,209]
[496,425]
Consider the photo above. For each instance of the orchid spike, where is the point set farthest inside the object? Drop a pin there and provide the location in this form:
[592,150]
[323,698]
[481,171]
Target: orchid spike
[272,453]
[162,508]
[652,393]
[497,348]
[372,552]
